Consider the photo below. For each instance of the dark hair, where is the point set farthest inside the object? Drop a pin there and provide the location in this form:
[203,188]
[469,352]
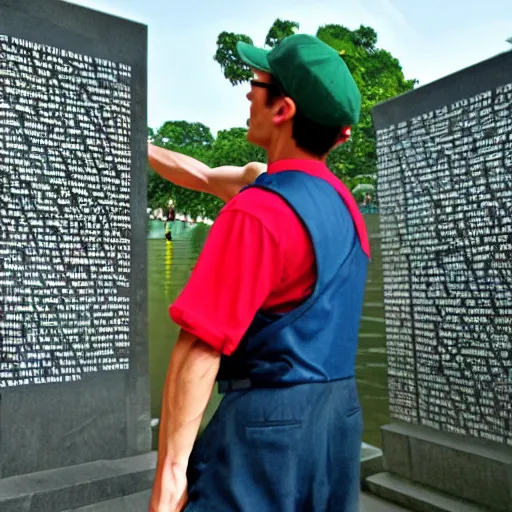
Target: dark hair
[309,135]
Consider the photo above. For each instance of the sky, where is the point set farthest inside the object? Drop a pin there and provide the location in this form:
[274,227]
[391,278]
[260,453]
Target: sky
[430,38]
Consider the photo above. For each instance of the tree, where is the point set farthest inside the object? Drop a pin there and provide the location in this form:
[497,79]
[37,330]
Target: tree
[183,133]
[226,55]
[235,70]
[377,73]
[279,30]
[379,77]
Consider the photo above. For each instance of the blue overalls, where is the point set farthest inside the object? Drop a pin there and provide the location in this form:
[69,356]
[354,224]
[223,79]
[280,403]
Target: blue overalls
[286,436]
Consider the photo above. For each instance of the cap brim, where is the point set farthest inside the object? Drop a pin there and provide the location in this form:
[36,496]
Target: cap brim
[256,58]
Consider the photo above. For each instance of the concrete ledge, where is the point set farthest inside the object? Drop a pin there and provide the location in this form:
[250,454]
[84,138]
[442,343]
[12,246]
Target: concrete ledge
[470,445]
[395,445]
[71,487]
[415,496]
[474,470]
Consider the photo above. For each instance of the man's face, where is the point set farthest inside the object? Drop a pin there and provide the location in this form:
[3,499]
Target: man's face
[260,121]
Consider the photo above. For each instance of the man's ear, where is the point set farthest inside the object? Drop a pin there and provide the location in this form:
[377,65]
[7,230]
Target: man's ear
[285,110]
[344,136]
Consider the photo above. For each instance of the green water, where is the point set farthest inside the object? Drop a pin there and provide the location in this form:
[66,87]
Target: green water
[170,265]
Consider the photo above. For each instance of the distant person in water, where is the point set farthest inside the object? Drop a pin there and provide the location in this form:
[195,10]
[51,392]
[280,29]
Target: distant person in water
[171,217]
[171,211]
[272,308]
[367,199]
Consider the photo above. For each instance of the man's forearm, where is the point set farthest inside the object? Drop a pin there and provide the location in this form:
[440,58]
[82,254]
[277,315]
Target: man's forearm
[182,170]
[188,387]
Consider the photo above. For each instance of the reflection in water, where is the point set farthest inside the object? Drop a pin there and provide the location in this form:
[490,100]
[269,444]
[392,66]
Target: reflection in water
[169,267]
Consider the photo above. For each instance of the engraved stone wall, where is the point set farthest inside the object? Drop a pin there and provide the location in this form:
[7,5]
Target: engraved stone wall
[65,165]
[445,193]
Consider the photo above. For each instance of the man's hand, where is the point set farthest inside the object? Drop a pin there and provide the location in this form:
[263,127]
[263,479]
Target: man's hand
[169,489]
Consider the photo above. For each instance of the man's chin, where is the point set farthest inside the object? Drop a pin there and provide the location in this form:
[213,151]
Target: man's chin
[252,139]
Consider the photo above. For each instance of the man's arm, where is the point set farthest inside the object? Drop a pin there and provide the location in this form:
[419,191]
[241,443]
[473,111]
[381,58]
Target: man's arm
[188,386]
[182,170]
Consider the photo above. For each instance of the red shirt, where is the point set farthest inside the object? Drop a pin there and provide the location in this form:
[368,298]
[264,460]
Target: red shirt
[258,255]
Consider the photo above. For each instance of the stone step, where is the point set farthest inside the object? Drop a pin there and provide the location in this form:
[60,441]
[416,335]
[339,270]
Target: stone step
[371,503]
[137,502]
[416,497]
[68,488]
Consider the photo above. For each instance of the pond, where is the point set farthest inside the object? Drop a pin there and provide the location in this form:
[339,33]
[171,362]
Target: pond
[170,265]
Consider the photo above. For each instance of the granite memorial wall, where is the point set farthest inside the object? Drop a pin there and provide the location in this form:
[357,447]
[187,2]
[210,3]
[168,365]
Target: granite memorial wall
[74,376]
[445,195]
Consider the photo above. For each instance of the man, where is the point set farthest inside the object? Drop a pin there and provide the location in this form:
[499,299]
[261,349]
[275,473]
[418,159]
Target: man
[272,308]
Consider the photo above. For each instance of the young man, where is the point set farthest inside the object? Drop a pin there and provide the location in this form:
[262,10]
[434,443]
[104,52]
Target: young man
[272,308]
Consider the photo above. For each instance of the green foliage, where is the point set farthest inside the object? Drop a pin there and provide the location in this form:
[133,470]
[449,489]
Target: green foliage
[379,77]
[159,190]
[183,133]
[232,148]
[235,70]
[279,30]
[364,37]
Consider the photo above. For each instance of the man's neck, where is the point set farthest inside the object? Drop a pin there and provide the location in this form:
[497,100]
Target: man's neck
[290,151]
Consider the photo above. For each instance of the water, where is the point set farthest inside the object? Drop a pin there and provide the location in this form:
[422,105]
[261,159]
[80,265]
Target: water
[170,265]
[371,367]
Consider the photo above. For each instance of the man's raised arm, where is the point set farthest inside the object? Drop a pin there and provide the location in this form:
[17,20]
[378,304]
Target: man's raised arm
[182,170]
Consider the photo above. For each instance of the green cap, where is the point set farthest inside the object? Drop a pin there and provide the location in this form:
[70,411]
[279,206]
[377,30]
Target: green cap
[313,74]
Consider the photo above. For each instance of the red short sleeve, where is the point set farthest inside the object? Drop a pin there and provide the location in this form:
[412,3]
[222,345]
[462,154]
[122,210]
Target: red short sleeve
[239,266]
